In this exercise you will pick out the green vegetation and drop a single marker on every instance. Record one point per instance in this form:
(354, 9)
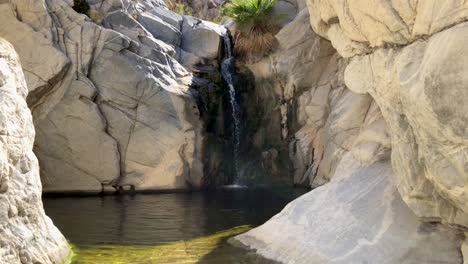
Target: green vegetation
(251, 13)
(179, 252)
(81, 6)
(256, 23)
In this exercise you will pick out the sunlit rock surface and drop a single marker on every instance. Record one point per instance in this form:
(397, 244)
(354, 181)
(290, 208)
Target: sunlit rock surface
(421, 90)
(111, 103)
(406, 65)
(360, 26)
(359, 217)
(27, 235)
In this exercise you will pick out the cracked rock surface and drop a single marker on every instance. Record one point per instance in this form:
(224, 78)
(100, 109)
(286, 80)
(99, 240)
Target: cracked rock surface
(111, 103)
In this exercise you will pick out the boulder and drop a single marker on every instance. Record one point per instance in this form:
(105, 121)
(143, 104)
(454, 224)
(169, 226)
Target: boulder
(27, 235)
(364, 221)
(201, 38)
(160, 29)
(421, 90)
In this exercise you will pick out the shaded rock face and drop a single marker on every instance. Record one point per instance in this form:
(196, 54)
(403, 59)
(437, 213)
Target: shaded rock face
(27, 235)
(111, 103)
(314, 116)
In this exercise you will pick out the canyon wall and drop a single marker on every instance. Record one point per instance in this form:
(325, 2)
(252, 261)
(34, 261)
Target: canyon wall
(392, 160)
(111, 101)
(314, 115)
(27, 235)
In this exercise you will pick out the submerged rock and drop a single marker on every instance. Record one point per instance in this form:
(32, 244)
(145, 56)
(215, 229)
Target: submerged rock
(27, 235)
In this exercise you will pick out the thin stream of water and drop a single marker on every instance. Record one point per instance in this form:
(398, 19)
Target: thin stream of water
(227, 71)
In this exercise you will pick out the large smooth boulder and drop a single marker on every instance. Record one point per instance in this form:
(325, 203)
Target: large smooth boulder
(421, 90)
(27, 235)
(359, 217)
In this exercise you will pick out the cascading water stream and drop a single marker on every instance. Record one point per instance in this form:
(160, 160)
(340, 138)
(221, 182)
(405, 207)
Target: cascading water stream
(227, 70)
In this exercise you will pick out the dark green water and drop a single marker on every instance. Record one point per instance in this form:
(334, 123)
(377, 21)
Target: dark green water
(165, 228)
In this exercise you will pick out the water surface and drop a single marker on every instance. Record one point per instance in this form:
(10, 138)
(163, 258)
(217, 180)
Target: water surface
(165, 228)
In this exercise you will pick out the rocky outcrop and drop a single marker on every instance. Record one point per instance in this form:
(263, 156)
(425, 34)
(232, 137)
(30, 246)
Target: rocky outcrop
(421, 90)
(27, 235)
(419, 85)
(359, 217)
(358, 27)
(111, 103)
(407, 58)
(320, 119)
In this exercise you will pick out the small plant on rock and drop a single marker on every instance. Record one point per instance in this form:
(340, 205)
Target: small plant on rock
(256, 26)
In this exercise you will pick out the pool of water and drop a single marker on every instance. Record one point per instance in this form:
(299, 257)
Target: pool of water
(165, 228)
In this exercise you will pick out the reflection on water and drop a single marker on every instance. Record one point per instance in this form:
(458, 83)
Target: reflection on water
(164, 228)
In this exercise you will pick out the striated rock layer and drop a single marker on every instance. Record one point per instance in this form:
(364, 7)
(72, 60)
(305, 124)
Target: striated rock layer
(110, 100)
(27, 235)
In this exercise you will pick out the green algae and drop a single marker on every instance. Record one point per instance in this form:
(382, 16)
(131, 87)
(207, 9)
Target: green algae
(191, 251)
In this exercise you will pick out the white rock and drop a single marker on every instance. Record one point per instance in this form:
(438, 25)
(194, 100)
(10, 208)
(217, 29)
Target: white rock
(421, 90)
(26, 234)
(361, 25)
(358, 217)
(201, 38)
(112, 105)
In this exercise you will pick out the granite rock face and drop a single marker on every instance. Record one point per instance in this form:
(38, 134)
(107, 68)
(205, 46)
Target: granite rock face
(360, 26)
(359, 217)
(421, 90)
(404, 88)
(319, 117)
(111, 103)
(27, 235)
(415, 71)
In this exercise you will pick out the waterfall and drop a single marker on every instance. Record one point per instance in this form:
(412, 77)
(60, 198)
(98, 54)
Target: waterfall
(227, 71)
